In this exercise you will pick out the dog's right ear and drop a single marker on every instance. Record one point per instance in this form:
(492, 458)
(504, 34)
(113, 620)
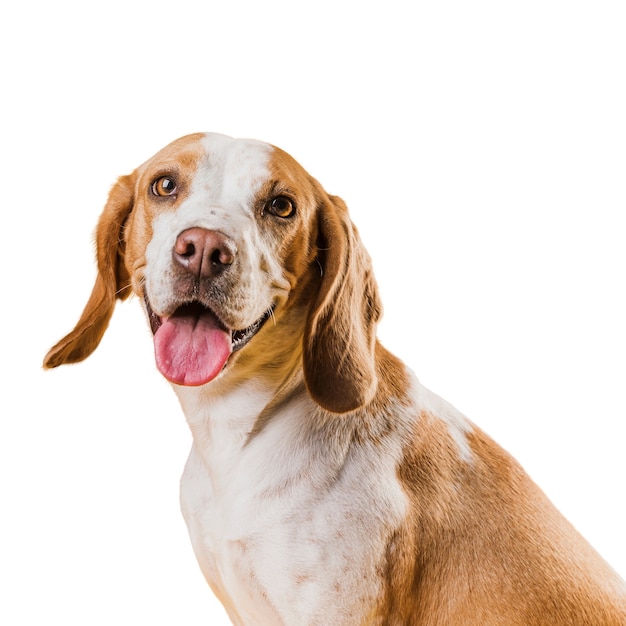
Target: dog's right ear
(112, 280)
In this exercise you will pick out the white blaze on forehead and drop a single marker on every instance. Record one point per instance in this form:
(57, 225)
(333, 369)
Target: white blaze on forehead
(232, 170)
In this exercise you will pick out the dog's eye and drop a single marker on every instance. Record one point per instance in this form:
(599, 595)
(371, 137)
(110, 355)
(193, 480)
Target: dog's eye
(164, 186)
(281, 206)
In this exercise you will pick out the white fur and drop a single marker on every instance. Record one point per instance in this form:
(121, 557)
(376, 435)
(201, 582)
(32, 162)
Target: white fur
(267, 516)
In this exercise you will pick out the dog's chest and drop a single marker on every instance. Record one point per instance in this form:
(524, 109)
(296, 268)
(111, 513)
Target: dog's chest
(286, 531)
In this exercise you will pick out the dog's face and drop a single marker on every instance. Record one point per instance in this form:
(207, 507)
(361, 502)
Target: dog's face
(219, 238)
(234, 249)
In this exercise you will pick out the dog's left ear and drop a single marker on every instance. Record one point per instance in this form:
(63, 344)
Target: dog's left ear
(340, 334)
(112, 280)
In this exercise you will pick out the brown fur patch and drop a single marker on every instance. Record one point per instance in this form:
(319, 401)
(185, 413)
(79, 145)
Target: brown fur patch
(483, 546)
(112, 280)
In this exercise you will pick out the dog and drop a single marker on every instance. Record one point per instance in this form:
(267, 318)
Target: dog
(325, 484)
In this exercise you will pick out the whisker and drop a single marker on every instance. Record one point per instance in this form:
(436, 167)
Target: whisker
(122, 289)
(320, 266)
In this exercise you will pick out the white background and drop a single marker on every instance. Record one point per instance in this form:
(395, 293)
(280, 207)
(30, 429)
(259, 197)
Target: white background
(481, 148)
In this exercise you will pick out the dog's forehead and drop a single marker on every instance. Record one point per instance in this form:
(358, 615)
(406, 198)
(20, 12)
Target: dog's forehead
(234, 169)
(225, 168)
(217, 163)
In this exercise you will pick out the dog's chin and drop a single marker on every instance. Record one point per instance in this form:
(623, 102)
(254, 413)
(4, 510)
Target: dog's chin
(192, 345)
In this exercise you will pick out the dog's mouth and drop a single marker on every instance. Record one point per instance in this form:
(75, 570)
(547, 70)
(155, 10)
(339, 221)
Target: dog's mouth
(192, 346)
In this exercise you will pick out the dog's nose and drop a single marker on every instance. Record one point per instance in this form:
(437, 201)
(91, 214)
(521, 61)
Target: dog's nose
(204, 253)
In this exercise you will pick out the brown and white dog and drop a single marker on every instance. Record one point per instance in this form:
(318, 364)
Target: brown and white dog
(325, 486)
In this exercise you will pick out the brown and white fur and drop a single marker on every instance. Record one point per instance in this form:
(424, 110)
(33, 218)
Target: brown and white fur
(325, 485)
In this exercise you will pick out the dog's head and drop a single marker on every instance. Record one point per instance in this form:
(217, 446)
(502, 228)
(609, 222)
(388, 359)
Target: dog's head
(239, 257)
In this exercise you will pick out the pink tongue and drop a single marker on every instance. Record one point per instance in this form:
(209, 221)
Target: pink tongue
(191, 349)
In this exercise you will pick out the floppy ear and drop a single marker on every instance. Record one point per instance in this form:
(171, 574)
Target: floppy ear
(340, 334)
(112, 280)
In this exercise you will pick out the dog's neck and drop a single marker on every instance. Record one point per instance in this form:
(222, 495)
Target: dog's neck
(225, 405)
(256, 442)
(236, 407)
